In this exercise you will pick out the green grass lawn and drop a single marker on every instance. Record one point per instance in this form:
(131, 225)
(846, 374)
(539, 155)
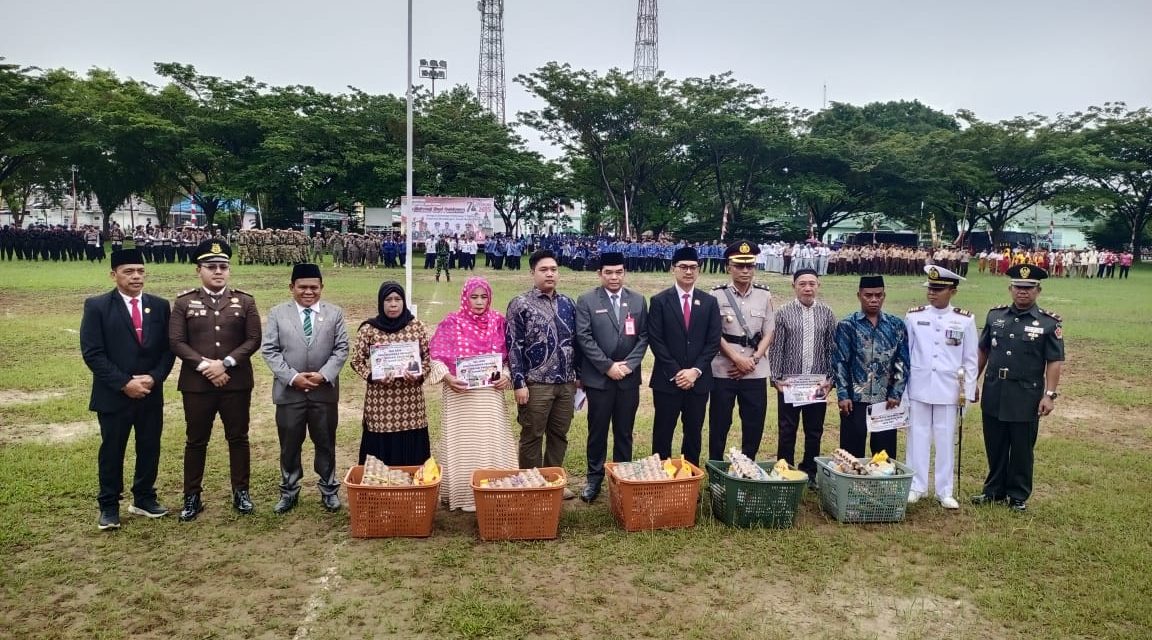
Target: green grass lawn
(1076, 565)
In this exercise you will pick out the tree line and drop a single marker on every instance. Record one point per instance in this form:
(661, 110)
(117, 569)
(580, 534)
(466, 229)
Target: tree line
(665, 156)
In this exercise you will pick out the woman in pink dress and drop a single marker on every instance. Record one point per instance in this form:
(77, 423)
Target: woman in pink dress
(476, 433)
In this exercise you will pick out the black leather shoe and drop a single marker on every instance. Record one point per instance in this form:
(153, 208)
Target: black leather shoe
(331, 502)
(982, 499)
(192, 507)
(148, 509)
(109, 519)
(590, 493)
(286, 504)
(1018, 506)
(242, 502)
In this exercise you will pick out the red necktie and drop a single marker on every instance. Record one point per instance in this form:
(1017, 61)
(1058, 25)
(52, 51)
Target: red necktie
(687, 311)
(137, 321)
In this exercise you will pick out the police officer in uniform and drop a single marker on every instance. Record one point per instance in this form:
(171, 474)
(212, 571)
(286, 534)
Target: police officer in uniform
(740, 369)
(941, 343)
(214, 330)
(1021, 356)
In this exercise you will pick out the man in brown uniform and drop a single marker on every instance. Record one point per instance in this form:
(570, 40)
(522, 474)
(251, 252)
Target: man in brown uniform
(214, 330)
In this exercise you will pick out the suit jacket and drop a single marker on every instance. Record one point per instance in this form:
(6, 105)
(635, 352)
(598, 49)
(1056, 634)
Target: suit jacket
(110, 349)
(674, 348)
(600, 334)
(201, 328)
(287, 353)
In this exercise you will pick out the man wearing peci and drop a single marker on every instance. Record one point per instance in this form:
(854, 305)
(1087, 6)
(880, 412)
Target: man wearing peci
(870, 366)
(214, 331)
(684, 335)
(612, 334)
(124, 341)
(305, 345)
(740, 370)
(1022, 347)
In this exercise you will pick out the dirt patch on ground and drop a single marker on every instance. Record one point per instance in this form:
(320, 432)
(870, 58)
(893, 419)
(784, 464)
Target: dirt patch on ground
(51, 433)
(10, 397)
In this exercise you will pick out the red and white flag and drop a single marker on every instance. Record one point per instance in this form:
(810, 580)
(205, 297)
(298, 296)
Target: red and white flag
(724, 222)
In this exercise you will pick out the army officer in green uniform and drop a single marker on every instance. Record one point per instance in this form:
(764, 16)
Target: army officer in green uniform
(1021, 355)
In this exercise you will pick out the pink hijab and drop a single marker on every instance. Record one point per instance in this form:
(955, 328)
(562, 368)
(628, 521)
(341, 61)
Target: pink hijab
(463, 333)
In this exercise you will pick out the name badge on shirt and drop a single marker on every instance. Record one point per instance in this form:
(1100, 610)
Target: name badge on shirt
(629, 326)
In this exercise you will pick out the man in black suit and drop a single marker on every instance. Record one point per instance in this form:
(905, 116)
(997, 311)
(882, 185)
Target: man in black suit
(684, 335)
(124, 341)
(612, 331)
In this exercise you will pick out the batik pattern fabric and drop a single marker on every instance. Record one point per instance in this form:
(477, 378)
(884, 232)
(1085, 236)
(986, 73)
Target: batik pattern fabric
(541, 332)
(870, 363)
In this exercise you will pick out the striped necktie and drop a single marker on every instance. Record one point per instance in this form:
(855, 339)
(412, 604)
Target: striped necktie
(308, 325)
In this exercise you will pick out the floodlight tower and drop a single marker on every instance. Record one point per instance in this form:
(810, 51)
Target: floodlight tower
(490, 83)
(647, 57)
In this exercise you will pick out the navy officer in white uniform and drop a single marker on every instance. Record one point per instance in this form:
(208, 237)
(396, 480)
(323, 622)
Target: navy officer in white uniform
(942, 340)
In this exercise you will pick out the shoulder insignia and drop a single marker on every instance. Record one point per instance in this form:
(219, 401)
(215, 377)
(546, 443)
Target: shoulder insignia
(243, 293)
(1054, 316)
(963, 312)
(184, 293)
(720, 287)
(999, 308)
(765, 287)
(915, 309)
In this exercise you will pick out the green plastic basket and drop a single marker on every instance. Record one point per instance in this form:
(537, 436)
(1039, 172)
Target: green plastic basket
(739, 502)
(851, 498)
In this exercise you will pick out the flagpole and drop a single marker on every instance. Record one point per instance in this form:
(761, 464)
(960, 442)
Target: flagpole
(408, 174)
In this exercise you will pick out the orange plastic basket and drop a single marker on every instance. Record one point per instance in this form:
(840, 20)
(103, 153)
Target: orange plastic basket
(655, 504)
(390, 512)
(518, 514)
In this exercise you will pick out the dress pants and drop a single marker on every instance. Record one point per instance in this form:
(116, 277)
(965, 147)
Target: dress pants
(932, 425)
(788, 420)
(854, 433)
(689, 408)
(618, 407)
(1009, 448)
(200, 411)
(752, 394)
(318, 420)
(115, 429)
(548, 413)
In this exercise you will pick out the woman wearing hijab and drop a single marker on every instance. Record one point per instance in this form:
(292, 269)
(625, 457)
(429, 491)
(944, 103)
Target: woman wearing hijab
(395, 416)
(476, 432)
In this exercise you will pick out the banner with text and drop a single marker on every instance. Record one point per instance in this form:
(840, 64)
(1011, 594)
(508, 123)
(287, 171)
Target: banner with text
(432, 216)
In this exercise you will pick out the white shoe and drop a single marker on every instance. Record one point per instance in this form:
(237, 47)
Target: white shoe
(949, 503)
(471, 508)
(914, 497)
(568, 495)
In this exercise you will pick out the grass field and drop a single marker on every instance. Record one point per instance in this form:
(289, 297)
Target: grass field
(1076, 566)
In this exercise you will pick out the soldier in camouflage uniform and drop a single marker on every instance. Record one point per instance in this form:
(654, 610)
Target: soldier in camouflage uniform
(443, 249)
(336, 246)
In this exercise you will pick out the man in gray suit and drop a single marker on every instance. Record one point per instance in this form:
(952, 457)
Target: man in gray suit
(305, 345)
(612, 332)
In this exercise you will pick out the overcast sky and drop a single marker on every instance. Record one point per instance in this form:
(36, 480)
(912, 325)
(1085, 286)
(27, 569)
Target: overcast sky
(998, 58)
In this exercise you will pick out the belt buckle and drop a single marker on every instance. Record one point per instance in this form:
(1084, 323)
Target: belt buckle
(1004, 373)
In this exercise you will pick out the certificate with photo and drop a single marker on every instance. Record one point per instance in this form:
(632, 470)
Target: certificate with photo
(393, 359)
(881, 418)
(479, 371)
(804, 389)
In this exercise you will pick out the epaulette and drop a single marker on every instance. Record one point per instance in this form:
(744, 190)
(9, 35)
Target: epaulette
(915, 309)
(244, 293)
(184, 293)
(999, 308)
(761, 286)
(1054, 316)
(720, 287)
(963, 312)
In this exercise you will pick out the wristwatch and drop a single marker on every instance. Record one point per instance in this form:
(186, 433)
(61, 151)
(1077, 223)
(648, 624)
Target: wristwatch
(1052, 394)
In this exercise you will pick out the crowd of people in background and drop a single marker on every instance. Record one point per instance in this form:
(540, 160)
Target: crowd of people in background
(447, 253)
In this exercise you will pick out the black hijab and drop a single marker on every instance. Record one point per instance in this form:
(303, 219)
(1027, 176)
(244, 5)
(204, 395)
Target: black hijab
(383, 322)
